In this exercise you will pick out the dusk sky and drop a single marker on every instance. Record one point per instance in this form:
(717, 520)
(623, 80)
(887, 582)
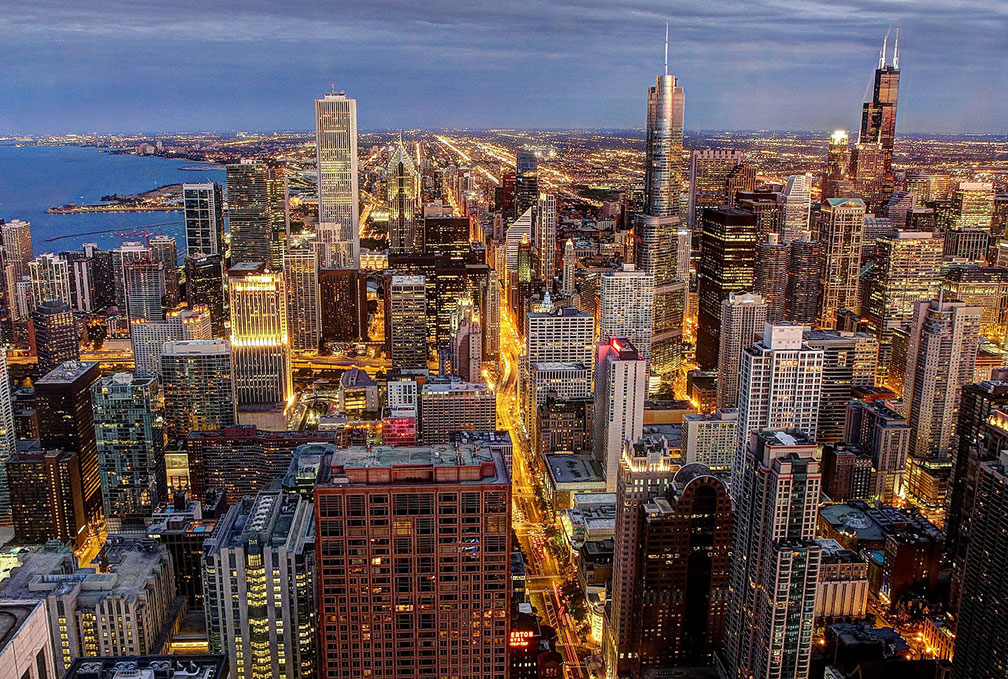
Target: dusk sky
(114, 66)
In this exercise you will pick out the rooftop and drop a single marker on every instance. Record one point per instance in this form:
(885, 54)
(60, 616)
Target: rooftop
(66, 372)
(579, 469)
(270, 518)
(446, 462)
(149, 667)
(13, 615)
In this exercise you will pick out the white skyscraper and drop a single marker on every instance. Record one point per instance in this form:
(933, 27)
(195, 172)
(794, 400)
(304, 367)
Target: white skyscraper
(149, 337)
(775, 561)
(626, 298)
(780, 385)
(797, 206)
(941, 359)
(519, 229)
(545, 237)
(563, 335)
(50, 279)
(8, 442)
(336, 156)
(742, 316)
(259, 339)
(620, 391)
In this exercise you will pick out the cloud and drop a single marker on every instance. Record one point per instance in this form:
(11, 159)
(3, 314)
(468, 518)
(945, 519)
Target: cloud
(800, 64)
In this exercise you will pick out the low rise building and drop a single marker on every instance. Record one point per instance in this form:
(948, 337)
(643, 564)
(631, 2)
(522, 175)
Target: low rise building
(843, 584)
(565, 475)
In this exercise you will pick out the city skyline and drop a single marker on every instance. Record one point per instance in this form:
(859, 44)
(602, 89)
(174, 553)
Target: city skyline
(476, 66)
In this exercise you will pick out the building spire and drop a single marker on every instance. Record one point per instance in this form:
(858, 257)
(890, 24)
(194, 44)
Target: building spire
(881, 58)
(895, 52)
(666, 48)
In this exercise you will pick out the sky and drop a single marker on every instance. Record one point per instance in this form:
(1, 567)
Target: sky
(189, 65)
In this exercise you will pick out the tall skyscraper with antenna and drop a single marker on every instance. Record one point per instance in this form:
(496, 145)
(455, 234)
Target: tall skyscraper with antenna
(663, 246)
(872, 160)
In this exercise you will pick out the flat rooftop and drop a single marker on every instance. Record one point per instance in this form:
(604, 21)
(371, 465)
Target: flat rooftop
(13, 615)
(577, 469)
(66, 372)
(448, 462)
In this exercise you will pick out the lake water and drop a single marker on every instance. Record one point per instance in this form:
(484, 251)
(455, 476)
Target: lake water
(36, 178)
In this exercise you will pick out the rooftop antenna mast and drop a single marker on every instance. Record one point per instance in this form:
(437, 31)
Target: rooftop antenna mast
(895, 52)
(666, 48)
(881, 59)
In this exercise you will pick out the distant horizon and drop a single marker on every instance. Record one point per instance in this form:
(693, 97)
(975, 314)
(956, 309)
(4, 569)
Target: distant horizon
(257, 65)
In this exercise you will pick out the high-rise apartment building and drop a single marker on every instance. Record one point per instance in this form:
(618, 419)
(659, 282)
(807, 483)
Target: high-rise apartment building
(710, 438)
(560, 335)
(336, 158)
(545, 237)
(727, 264)
(45, 496)
(50, 279)
(804, 265)
(840, 228)
(304, 322)
(664, 147)
(982, 286)
(884, 433)
(149, 337)
(907, 269)
(343, 307)
(775, 561)
(129, 435)
(56, 336)
(259, 587)
(66, 422)
(410, 623)
(405, 218)
(259, 336)
(742, 316)
(626, 307)
(981, 649)
(199, 388)
(620, 391)
(771, 277)
(406, 322)
(941, 358)
(164, 249)
(145, 290)
(780, 386)
(204, 219)
(8, 439)
(122, 257)
(973, 206)
(850, 360)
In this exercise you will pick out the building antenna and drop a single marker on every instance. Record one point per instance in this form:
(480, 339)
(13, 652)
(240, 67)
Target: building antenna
(895, 51)
(881, 59)
(666, 48)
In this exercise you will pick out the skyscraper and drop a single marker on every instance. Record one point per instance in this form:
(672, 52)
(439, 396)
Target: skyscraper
(797, 206)
(850, 360)
(304, 323)
(567, 281)
(626, 307)
(780, 386)
(205, 287)
(66, 422)
(204, 219)
(620, 391)
(259, 587)
(122, 257)
(545, 237)
(165, 250)
(45, 496)
(145, 290)
(343, 307)
(56, 336)
(561, 335)
(336, 158)
(981, 647)
(841, 225)
(406, 322)
(727, 264)
(148, 337)
(128, 419)
(663, 147)
(837, 171)
(804, 265)
(259, 336)
(772, 276)
(248, 211)
(199, 388)
(405, 219)
(742, 316)
(50, 279)
(458, 496)
(447, 404)
(941, 357)
(8, 440)
(715, 176)
(907, 269)
(884, 433)
(526, 180)
(973, 206)
(873, 154)
(775, 561)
